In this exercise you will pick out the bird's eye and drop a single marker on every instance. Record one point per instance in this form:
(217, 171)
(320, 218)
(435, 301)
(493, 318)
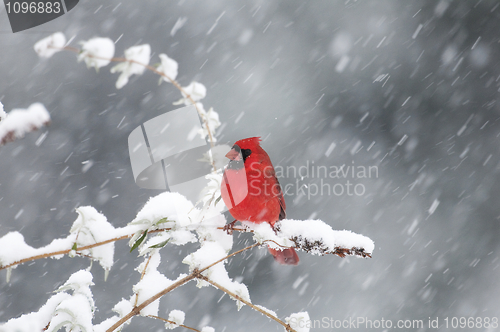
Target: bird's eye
(245, 153)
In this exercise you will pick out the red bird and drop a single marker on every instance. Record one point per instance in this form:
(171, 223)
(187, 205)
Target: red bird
(252, 192)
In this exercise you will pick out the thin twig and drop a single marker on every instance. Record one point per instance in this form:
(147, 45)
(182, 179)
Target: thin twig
(63, 252)
(227, 291)
(171, 322)
(155, 297)
(234, 253)
(142, 276)
(178, 283)
(154, 70)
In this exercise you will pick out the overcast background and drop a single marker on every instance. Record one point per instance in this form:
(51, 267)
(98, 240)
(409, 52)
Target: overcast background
(408, 87)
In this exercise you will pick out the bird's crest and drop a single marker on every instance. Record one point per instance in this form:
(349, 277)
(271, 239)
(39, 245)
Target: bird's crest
(249, 141)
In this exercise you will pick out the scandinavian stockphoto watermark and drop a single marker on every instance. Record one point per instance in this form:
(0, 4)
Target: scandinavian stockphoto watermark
(165, 153)
(312, 180)
(26, 14)
(168, 153)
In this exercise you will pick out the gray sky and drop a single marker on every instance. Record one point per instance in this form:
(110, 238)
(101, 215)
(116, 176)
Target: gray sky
(408, 88)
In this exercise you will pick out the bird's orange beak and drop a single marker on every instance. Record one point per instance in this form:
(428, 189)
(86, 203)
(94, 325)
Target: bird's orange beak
(233, 155)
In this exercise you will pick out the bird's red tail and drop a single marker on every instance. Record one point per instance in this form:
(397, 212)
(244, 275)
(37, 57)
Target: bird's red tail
(285, 256)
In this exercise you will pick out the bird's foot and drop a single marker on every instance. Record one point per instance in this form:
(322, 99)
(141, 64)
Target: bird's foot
(229, 227)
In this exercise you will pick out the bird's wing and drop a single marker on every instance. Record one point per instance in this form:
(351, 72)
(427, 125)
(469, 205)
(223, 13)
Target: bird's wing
(277, 189)
(281, 200)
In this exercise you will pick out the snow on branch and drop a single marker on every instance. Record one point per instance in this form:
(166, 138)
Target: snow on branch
(3, 115)
(18, 122)
(175, 318)
(299, 321)
(171, 218)
(137, 60)
(50, 45)
(90, 228)
(152, 282)
(72, 311)
(99, 52)
(168, 67)
(314, 237)
(195, 90)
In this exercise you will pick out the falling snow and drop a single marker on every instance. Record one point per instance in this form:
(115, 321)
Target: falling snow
(408, 87)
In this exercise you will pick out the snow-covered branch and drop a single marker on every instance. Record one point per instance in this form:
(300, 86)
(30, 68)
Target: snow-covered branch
(290, 233)
(99, 52)
(19, 122)
(48, 46)
(169, 218)
(312, 236)
(74, 311)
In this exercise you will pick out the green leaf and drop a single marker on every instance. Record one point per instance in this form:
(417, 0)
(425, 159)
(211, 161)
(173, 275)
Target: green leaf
(139, 240)
(161, 221)
(160, 245)
(217, 200)
(74, 247)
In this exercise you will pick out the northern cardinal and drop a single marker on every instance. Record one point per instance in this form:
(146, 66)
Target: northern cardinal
(252, 192)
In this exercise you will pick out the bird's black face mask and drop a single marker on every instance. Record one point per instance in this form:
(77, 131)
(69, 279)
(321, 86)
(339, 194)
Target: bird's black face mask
(237, 157)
